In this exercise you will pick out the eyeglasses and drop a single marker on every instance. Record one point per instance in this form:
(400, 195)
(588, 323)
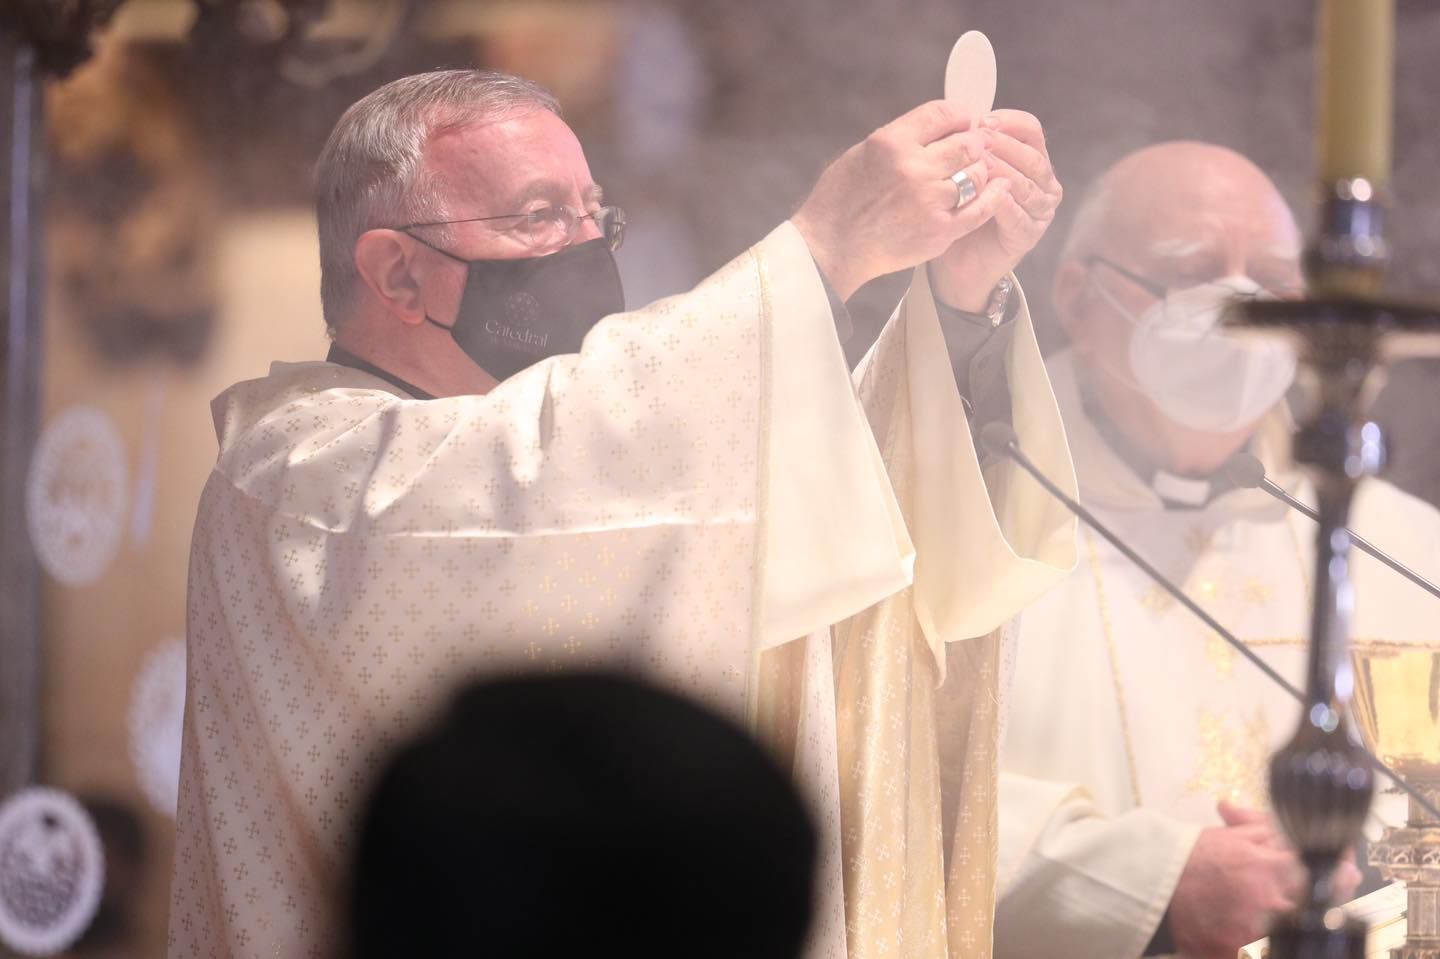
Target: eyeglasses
(1162, 292)
(550, 226)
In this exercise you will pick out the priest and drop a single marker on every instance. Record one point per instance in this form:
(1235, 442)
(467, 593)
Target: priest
(1133, 790)
(486, 476)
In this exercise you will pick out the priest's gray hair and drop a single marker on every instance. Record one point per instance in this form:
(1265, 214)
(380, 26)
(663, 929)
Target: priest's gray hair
(372, 173)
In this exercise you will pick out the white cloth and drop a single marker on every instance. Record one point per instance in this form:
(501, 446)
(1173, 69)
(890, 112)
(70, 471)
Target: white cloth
(1131, 719)
(696, 496)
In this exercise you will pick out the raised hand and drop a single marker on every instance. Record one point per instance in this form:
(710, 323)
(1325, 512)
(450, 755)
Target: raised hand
(888, 202)
(1015, 153)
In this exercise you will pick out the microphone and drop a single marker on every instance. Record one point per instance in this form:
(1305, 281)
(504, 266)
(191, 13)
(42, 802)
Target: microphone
(1247, 472)
(1000, 440)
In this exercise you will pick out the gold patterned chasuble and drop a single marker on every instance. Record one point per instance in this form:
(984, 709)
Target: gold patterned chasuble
(682, 499)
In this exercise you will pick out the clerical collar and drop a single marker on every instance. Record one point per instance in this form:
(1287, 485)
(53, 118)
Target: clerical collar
(1183, 491)
(1175, 491)
(343, 357)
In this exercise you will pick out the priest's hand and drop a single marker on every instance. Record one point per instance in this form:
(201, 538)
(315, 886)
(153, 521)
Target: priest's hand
(888, 202)
(1347, 875)
(1016, 154)
(1237, 878)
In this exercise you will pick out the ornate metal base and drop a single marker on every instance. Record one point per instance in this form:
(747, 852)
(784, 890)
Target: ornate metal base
(1412, 951)
(1411, 853)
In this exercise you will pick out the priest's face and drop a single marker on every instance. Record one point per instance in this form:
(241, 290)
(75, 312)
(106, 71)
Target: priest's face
(523, 163)
(1183, 227)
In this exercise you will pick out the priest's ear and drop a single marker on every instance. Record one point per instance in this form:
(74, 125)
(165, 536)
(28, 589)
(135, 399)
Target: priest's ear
(1073, 296)
(389, 264)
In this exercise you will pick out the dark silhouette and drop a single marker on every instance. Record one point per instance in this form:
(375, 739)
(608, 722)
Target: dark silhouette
(582, 815)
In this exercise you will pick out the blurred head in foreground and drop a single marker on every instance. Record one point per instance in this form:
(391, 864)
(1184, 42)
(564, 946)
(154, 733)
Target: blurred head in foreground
(1162, 241)
(581, 815)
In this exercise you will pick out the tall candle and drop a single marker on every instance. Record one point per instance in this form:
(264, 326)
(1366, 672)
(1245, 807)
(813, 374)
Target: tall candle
(1357, 76)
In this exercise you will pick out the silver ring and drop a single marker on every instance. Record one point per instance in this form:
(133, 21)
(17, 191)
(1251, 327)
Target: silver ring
(965, 189)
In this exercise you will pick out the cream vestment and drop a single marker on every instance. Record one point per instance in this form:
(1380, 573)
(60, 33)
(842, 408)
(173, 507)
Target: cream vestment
(697, 496)
(1130, 719)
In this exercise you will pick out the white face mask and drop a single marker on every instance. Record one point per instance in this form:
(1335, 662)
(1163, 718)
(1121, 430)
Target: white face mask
(1196, 374)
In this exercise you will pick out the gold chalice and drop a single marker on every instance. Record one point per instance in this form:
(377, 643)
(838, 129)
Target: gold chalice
(1397, 708)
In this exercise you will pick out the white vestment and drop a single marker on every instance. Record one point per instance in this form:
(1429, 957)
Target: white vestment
(698, 497)
(1130, 719)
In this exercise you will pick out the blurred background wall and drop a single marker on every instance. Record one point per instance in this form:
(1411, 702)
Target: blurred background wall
(180, 250)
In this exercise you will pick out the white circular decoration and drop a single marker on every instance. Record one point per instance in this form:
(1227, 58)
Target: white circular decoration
(52, 871)
(75, 495)
(157, 715)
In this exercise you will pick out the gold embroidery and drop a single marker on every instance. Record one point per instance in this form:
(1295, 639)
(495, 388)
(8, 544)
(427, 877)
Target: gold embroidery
(1233, 761)
(1109, 632)
(1300, 556)
(1156, 599)
(1219, 654)
(1257, 592)
(1230, 766)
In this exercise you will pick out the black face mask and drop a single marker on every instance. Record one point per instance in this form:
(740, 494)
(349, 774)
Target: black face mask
(515, 313)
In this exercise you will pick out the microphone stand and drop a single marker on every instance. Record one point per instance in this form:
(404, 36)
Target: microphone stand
(1000, 440)
(1280, 493)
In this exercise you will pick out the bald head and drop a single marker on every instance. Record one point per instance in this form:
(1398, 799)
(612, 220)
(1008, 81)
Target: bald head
(1185, 204)
(1174, 215)
(1166, 218)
